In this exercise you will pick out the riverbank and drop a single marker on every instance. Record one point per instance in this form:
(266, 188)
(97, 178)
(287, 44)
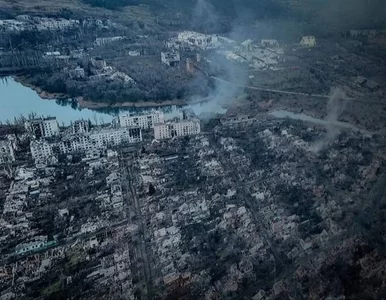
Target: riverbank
(141, 104)
(42, 94)
(84, 103)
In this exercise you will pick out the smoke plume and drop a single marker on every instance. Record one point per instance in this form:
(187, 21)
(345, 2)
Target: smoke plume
(204, 16)
(233, 73)
(335, 107)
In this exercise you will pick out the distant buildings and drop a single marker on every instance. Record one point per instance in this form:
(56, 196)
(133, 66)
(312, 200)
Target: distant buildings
(177, 129)
(143, 121)
(13, 25)
(134, 53)
(369, 84)
(121, 76)
(7, 154)
(366, 33)
(270, 43)
(99, 69)
(26, 22)
(308, 41)
(170, 59)
(199, 40)
(52, 54)
(55, 24)
(248, 44)
(77, 73)
(40, 128)
(107, 40)
(98, 63)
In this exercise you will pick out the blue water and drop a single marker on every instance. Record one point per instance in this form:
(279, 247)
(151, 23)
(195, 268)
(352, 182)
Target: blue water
(17, 100)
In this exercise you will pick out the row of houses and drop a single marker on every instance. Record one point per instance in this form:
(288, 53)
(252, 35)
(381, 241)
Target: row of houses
(36, 23)
(91, 143)
(47, 143)
(184, 126)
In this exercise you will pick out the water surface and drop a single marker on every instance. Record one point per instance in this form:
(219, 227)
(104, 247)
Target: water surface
(17, 100)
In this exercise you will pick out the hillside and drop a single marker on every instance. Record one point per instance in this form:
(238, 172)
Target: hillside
(317, 15)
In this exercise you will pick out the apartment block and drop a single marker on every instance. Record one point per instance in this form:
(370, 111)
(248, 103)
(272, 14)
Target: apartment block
(44, 150)
(144, 121)
(7, 154)
(41, 128)
(177, 129)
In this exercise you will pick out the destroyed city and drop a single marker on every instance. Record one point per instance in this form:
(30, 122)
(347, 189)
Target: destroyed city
(192, 149)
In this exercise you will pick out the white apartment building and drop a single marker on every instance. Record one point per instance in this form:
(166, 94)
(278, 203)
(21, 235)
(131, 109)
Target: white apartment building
(145, 121)
(43, 150)
(176, 129)
(42, 127)
(76, 144)
(7, 153)
(80, 126)
(114, 137)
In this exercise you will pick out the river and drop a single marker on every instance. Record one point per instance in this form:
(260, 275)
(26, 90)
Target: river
(17, 100)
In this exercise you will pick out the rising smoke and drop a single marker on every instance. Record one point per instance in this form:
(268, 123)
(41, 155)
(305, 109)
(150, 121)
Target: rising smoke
(223, 94)
(204, 16)
(335, 107)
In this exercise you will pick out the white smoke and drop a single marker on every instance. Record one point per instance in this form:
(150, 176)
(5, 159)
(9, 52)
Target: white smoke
(204, 15)
(335, 107)
(224, 93)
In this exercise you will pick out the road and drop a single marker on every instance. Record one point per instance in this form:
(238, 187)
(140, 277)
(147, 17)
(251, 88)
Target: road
(366, 100)
(132, 201)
